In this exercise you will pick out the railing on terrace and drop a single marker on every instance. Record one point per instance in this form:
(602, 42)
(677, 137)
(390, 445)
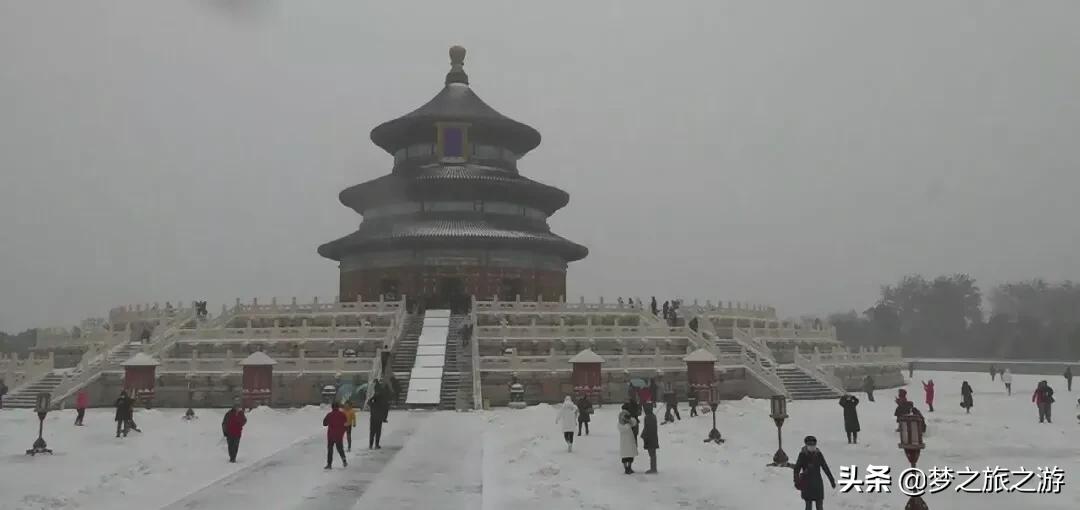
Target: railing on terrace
(497, 307)
(474, 348)
(818, 372)
(302, 364)
(556, 332)
(752, 344)
(673, 362)
(765, 374)
(397, 329)
(887, 354)
(311, 332)
(18, 372)
(317, 307)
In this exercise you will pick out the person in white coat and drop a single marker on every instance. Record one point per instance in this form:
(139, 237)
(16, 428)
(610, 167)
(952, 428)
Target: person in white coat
(567, 417)
(627, 440)
(1006, 377)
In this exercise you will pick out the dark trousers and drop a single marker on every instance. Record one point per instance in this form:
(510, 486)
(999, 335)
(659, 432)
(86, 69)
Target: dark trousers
(693, 409)
(627, 463)
(79, 413)
(121, 428)
(375, 433)
(671, 408)
(852, 437)
(1068, 382)
(330, 445)
(652, 459)
(930, 405)
(1008, 388)
(870, 395)
(569, 437)
(1044, 411)
(348, 437)
(579, 424)
(816, 503)
(234, 446)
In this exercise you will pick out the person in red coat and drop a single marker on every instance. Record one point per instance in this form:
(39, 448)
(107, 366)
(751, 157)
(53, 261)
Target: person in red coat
(81, 402)
(928, 387)
(335, 423)
(233, 426)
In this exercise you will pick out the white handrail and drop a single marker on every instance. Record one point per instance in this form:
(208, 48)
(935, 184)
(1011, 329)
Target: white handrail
(766, 375)
(807, 365)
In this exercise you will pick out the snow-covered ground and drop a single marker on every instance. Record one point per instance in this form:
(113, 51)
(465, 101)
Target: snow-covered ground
(506, 459)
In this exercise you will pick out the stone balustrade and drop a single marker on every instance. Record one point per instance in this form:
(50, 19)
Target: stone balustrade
(331, 306)
(17, 371)
(561, 362)
(287, 333)
(228, 364)
(651, 332)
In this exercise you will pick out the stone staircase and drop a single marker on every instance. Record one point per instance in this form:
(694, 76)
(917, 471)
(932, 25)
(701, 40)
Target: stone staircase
(26, 397)
(450, 389)
(802, 386)
(728, 346)
(404, 355)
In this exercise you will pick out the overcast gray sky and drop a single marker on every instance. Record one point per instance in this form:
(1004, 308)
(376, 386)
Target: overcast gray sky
(793, 153)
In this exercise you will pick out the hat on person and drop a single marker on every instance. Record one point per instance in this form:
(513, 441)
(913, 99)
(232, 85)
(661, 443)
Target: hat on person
(810, 440)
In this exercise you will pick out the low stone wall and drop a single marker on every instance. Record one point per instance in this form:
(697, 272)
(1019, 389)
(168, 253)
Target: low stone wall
(1049, 368)
(547, 387)
(218, 389)
(885, 376)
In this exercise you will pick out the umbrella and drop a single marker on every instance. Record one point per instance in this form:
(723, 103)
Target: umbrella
(638, 383)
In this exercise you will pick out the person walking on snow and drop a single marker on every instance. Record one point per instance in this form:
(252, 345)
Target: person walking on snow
(81, 401)
(4, 390)
(808, 470)
(928, 388)
(335, 422)
(232, 426)
(691, 398)
(567, 417)
(123, 416)
(1068, 378)
(1043, 398)
(649, 437)
(911, 369)
(378, 410)
(350, 422)
(851, 417)
(993, 372)
(868, 387)
(627, 440)
(1006, 377)
(584, 411)
(671, 403)
(634, 409)
(966, 400)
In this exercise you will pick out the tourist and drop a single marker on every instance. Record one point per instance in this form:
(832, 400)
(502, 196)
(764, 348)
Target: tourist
(567, 417)
(905, 407)
(649, 437)
(335, 422)
(620, 301)
(652, 306)
(81, 401)
(232, 426)
(123, 416)
(868, 387)
(3, 391)
(808, 470)
(1043, 398)
(667, 310)
(851, 417)
(585, 409)
(350, 422)
(966, 399)
(692, 399)
(671, 403)
(911, 369)
(627, 440)
(993, 371)
(645, 394)
(1006, 377)
(378, 406)
(1068, 377)
(654, 391)
(928, 389)
(634, 408)
(189, 414)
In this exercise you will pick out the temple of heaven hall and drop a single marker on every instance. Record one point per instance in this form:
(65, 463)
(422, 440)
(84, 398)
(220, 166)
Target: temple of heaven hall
(454, 218)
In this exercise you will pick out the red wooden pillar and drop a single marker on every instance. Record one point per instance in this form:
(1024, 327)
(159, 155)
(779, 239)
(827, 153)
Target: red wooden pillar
(140, 373)
(700, 372)
(586, 376)
(258, 379)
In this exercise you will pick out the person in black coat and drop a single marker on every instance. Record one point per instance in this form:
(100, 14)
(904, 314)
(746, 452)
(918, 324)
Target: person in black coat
(851, 417)
(124, 413)
(808, 470)
(649, 438)
(584, 412)
(966, 400)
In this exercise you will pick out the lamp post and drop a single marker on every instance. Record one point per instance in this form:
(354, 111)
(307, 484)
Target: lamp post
(778, 412)
(714, 403)
(42, 408)
(911, 441)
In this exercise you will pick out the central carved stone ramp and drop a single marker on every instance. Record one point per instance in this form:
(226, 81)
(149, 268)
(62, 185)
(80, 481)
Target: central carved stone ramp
(425, 379)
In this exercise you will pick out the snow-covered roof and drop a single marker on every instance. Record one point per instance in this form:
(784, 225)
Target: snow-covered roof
(258, 359)
(141, 359)
(700, 355)
(587, 356)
